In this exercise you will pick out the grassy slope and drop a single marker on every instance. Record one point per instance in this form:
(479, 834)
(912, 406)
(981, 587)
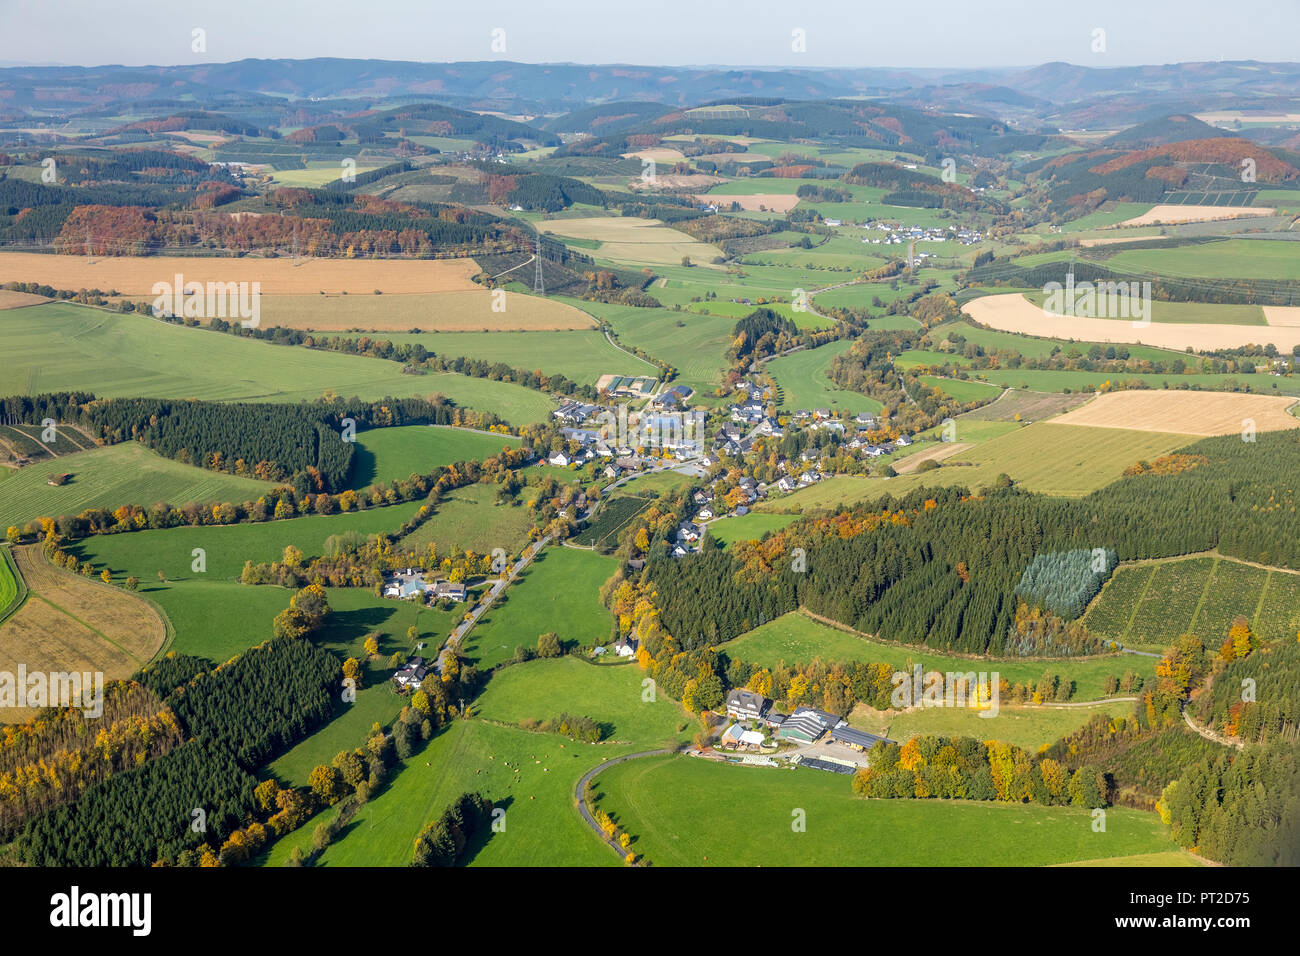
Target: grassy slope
(66, 346)
(128, 473)
(383, 454)
(804, 382)
(672, 808)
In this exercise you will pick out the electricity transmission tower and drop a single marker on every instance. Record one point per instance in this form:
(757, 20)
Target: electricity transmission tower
(539, 284)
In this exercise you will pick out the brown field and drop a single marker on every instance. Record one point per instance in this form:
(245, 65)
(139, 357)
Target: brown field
(438, 311)
(659, 154)
(1164, 213)
(937, 453)
(1190, 413)
(1287, 316)
(1030, 406)
(71, 623)
(17, 300)
(1115, 240)
(135, 276)
(633, 240)
(776, 202)
(1012, 312)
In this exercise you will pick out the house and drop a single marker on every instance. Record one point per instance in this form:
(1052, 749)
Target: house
(744, 704)
(679, 551)
(701, 497)
(451, 590)
(865, 419)
(810, 454)
(787, 484)
(903, 440)
(574, 412)
(801, 413)
(806, 724)
(688, 532)
(560, 458)
(809, 478)
(873, 451)
(769, 426)
(741, 511)
(626, 646)
(612, 471)
(705, 513)
(411, 674)
(821, 413)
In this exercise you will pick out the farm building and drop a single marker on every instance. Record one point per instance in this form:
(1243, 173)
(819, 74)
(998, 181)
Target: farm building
(857, 739)
(806, 724)
(745, 704)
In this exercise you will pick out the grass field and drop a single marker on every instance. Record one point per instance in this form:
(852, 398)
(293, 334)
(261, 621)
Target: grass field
(1227, 259)
(227, 547)
(581, 356)
(695, 345)
(128, 473)
(8, 582)
(798, 638)
(1070, 460)
(750, 527)
(659, 799)
(962, 390)
(1029, 727)
(74, 624)
(804, 383)
(531, 775)
(383, 454)
(557, 592)
(62, 346)
(1150, 604)
(470, 518)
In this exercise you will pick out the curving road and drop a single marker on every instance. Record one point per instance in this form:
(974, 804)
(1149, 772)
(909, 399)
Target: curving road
(581, 788)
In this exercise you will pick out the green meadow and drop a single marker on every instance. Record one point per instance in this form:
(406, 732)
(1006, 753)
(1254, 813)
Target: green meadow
(385, 454)
(227, 547)
(804, 383)
(797, 638)
(65, 347)
(557, 592)
(1225, 259)
(128, 473)
(750, 527)
(674, 807)
(470, 518)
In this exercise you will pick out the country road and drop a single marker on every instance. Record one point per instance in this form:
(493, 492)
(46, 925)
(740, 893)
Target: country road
(581, 788)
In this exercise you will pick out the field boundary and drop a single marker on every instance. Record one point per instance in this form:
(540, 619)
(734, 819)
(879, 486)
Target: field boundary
(20, 598)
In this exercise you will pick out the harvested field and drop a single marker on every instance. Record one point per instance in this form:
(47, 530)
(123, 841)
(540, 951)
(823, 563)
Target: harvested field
(1118, 240)
(1189, 413)
(136, 275)
(430, 312)
(1165, 213)
(1285, 316)
(1030, 406)
(658, 153)
(16, 300)
(773, 202)
(1012, 312)
(71, 623)
(937, 453)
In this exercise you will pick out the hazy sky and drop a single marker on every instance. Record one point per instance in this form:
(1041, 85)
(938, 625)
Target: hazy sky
(917, 33)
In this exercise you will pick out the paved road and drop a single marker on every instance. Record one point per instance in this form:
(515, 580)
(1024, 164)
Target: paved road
(464, 627)
(582, 788)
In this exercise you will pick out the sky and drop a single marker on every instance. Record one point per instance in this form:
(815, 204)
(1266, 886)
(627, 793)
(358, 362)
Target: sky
(843, 33)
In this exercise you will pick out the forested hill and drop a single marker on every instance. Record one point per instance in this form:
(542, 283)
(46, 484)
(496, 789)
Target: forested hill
(941, 567)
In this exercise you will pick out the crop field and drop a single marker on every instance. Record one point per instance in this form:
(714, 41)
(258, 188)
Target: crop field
(134, 276)
(658, 801)
(470, 518)
(468, 311)
(1029, 726)
(804, 383)
(1167, 214)
(1191, 413)
(227, 547)
(581, 356)
(1228, 259)
(1150, 604)
(617, 513)
(797, 638)
(18, 300)
(384, 454)
(1194, 313)
(1012, 312)
(127, 473)
(1070, 381)
(558, 592)
(70, 623)
(1030, 346)
(60, 347)
(628, 239)
(750, 527)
